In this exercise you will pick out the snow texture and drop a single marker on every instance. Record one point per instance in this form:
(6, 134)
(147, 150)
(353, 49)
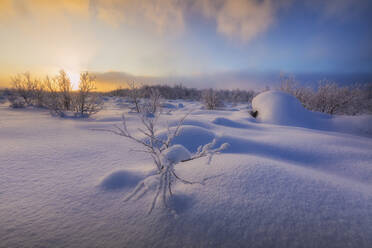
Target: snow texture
(291, 178)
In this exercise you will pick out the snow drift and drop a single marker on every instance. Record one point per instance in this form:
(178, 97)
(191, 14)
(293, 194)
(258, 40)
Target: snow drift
(64, 185)
(280, 108)
(191, 137)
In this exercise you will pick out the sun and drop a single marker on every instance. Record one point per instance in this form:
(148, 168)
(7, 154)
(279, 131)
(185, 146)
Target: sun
(75, 78)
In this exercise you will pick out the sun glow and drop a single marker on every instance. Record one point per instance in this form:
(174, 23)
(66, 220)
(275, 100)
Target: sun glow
(75, 78)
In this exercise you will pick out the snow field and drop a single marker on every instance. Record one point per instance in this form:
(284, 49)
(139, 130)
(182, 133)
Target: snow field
(304, 183)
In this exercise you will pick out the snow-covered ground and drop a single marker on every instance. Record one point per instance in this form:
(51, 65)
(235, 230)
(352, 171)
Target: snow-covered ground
(304, 183)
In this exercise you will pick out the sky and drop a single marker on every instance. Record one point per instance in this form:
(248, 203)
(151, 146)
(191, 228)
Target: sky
(199, 43)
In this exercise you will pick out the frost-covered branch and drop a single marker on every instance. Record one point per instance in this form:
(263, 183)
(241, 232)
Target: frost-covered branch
(207, 150)
(165, 156)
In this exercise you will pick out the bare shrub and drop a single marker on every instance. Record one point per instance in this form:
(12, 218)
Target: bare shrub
(86, 102)
(65, 89)
(56, 94)
(28, 91)
(333, 99)
(53, 96)
(38, 93)
(152, 104)
(23, 86)
(181, 92)
(31, 91)
(329, 97)
(211, 99)
(291, 86)
(157, 148)
(134, 95)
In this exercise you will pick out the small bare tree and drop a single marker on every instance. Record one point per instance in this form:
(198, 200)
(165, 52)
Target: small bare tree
(157, 148)
(24, 86)
(86, 102)
(135, 95)
(291, 86)
(53, 96)
(152, 104)
(29, 91)
(39, 93)
(65, 89)
(211, 99)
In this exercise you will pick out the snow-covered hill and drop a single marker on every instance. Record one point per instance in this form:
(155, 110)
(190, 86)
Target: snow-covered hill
(290, 178)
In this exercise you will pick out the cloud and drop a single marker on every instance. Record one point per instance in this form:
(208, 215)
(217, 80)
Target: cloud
(239, 19)
(242, 19)
(159, 15)
(43, 8)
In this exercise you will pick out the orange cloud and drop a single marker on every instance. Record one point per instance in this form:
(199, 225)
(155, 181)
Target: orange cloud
(163, 15)
(16, 8)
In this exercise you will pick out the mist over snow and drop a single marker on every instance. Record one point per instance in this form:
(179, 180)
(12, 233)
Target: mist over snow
(230, 79)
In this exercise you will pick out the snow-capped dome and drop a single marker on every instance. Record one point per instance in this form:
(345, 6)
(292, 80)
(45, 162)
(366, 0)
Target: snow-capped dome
(281, 108)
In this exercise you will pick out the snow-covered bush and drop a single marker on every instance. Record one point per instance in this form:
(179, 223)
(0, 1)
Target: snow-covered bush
(330, 97)
(31, 90)
(333, 99)
(165, 156)
(152, 104)
(291, 86)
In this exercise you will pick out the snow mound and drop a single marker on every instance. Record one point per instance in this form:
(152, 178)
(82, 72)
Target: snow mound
(175, 154)
(168, 105)
(120, 179)
(191, 137)
(277, 107)
(203, 124)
